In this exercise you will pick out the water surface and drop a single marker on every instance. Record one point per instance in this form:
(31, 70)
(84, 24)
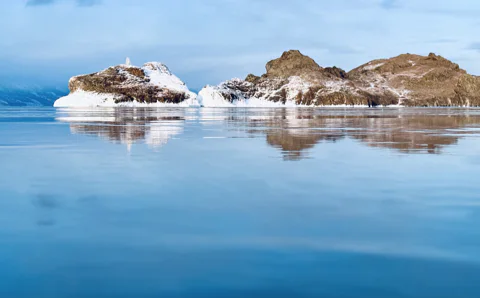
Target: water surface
(239, 202)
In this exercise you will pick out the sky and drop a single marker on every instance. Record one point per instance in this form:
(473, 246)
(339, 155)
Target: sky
(209, 41)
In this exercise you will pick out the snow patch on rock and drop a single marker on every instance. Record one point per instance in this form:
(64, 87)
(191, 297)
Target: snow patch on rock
(296, 85)
(373, 66)
(160, 75)
(212, 97)
(80, 99)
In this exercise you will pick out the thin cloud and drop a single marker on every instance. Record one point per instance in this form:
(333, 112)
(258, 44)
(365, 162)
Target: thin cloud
(39, 2)
(389, 4)
(88, 2)
(474, 46)
(83, 3)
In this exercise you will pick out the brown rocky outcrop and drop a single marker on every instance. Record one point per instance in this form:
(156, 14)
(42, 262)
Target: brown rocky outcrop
(408, 80)
(151, 83)
(291, 63)
(419, 80)
(128, 84)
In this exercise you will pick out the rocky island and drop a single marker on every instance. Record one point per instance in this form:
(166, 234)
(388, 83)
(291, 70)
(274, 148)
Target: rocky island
(291, 80)
(127, 85)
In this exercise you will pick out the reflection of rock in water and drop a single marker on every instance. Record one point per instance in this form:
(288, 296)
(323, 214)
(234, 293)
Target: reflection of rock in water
(121, 132)
(295, 132)
(129, 126)
(415, 133)
(294, 144)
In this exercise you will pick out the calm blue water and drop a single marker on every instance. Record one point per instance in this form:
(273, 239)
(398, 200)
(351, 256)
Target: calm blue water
(239, 203)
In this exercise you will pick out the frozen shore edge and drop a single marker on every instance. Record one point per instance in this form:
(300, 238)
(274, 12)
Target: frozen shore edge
(85, 99)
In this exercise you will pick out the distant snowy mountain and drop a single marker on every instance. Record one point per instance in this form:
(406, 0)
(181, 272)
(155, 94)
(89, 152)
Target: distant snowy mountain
(29, 95)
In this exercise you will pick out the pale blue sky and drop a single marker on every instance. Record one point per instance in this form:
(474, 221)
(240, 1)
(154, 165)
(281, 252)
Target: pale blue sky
(212, 40)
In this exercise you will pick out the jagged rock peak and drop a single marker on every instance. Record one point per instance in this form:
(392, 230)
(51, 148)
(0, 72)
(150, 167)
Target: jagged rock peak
(336, 72)
(291, 63)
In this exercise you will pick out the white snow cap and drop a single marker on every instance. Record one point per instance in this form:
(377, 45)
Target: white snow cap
(160, 75)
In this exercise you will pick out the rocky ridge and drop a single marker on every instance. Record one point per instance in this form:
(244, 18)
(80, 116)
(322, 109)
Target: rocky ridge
(405, 80)
(290, 80)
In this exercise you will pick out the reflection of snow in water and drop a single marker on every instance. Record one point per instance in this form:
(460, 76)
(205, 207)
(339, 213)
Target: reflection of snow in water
(160, 132)
(155, 127)
(292, 130)
(86, 119)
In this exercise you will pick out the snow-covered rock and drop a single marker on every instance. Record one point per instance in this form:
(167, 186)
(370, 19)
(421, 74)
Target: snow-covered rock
(291, 80)
(405, 80)
(239, 93)
(126, 85)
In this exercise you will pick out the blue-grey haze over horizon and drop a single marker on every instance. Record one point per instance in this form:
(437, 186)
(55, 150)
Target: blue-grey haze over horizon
(44, 42)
